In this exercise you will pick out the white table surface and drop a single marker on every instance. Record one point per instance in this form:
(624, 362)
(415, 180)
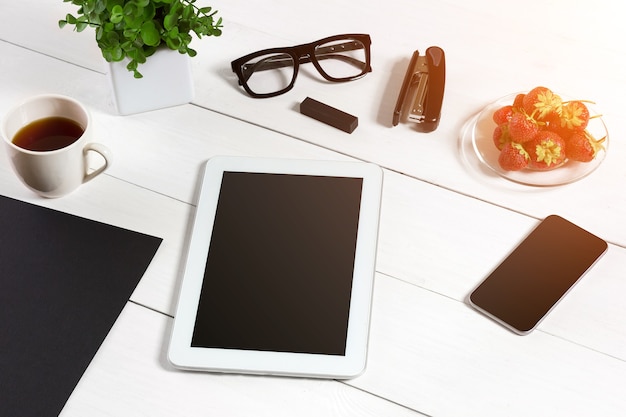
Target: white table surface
(445, 221)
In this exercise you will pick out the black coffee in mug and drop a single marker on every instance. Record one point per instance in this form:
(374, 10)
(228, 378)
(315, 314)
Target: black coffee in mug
(48, 134)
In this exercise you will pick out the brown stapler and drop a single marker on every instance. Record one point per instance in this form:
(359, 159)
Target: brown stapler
(421, 95)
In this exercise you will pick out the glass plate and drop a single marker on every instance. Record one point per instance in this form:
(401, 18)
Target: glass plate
(480, 132)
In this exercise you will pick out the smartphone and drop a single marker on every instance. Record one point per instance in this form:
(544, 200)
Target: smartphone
(533, 278)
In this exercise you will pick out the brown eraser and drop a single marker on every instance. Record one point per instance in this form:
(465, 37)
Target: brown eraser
(329, 115)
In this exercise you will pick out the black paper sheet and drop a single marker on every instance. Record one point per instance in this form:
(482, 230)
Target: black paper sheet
(63, 282)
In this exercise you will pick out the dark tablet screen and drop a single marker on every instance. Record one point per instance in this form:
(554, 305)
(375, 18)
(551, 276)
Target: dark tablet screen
(279, 271)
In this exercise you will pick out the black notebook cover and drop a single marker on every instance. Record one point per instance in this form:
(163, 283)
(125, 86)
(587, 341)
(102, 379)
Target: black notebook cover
(63, 282)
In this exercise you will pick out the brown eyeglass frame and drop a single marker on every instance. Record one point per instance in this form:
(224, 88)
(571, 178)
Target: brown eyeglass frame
(302, 54)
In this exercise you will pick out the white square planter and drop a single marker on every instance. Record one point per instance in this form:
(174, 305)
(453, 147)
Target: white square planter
(167, 81)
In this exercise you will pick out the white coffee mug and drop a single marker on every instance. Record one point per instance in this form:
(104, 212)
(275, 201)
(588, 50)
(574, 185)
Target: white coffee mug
(60, 171)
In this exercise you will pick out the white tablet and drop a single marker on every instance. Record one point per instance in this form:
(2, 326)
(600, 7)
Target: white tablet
(280, 268)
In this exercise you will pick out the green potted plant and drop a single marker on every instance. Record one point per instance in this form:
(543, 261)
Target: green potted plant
(134, 30)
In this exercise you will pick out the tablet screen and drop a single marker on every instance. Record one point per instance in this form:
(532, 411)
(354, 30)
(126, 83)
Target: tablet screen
(278, 275)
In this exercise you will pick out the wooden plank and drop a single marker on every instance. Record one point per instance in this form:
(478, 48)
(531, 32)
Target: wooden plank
(436, 157)
(415, 361)
(130, 376)
(440, 357)
(439, 235)
(163, 151)
(34, 25)
(447, 244)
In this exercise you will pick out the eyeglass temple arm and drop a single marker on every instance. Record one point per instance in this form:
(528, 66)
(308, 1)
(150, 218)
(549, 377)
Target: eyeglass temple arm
(328, 52)
(346, 46)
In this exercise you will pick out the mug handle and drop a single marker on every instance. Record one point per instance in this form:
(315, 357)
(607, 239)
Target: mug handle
(106, 155)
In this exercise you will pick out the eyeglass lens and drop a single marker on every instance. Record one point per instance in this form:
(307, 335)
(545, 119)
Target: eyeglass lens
(269, 73)
(340, 60)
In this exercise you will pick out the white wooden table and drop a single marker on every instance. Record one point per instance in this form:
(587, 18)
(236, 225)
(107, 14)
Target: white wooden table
(445, 221)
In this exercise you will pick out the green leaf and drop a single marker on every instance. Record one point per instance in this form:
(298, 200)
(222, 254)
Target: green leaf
(130, 9)
(149, 12)
(117, 14)
(114, 54)
(130, 34)
(188, 12)
(100, 7)
(176, 7)
(173, 33)
(81, 24)
(133, 16)
(149, 34)
(173, 43)
(88, 7)
(128, 47)
(70, 19)
(133, 29)
(112, 38)
(170, 21)
(136, 55)
(117, 53)
(132, 66)
(110, 4)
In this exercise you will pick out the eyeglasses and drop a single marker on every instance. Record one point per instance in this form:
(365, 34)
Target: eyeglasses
(272, 72)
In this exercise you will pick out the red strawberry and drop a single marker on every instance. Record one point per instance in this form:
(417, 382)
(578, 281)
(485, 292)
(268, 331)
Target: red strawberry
(522, 128)
(583, 147)
(501, 135)
(575, 115)
(541, 102)
(513, 157)
(518, 103)
(546, 151)
(502, 115)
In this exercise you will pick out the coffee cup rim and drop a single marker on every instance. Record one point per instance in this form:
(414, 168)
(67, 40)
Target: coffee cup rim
(37, 97)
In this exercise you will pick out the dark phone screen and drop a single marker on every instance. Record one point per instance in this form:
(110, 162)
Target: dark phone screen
(279, 271)
(534, 277)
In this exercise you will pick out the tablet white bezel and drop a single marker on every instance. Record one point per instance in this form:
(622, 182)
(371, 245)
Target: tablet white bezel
(182, 355)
